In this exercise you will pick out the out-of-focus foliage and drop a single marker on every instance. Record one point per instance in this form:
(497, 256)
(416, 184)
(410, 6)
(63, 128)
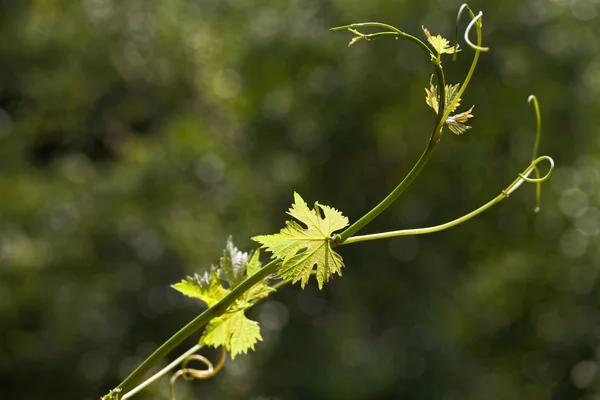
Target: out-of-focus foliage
(136, 135)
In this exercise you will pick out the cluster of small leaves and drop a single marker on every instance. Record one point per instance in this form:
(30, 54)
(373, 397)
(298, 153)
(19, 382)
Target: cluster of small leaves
(303, 247)
(232, 329)
(457, 122)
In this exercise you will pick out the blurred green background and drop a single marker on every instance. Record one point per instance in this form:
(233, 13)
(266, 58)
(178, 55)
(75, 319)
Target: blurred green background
(136, 135)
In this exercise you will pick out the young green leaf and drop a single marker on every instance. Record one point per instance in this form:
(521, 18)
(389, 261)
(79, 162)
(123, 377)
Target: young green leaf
(440, 45)
(301, 248)
(207, 288)
(432, 97)
(456, 123)
(232, 330)
(238, 333)
(233, 264)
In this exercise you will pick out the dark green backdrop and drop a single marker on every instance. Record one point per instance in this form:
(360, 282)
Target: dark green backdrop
(135, 135)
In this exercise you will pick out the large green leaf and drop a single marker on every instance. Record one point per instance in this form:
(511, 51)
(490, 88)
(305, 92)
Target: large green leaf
(303, 247)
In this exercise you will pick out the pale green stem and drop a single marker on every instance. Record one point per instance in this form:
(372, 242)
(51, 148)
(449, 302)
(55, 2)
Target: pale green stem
(393, 196)
(160, 373)
(523, 177)
(422, 231)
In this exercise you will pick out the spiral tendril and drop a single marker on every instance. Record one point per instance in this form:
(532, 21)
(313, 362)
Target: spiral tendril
(190, 374)
(524, 176)
(468, 30)
(460, 11)
(532, 100)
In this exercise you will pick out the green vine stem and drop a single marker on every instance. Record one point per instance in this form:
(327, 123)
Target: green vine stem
(385, 203)
(442, 115)
(222, 306)
(213, 312)
(523, 177)
(182, 357)
(161, 373)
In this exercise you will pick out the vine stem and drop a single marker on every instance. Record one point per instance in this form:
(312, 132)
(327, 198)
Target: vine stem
(523, 177)
(160, 373)
(431, 229)
(391, 198)
(215, 311)
(184, 356)
(221, 307)
(442, 116)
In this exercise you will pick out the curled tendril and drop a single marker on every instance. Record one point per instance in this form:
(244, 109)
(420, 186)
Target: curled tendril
(460, 11)
(538, 131)
(532, 99)
(474, 20)
(538, 189)
(524, 176)
(468, 30)
(535, 160)
(190, 374)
